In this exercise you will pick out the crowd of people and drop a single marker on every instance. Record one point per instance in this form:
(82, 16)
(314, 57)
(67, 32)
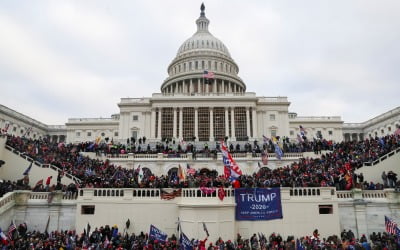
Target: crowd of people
(9, 186)
(173, 148)
(110, 237)
(334, 168)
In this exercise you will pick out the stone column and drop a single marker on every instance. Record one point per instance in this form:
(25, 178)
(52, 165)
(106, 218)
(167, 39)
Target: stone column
(233, 137)
(254, 117)
(191, 86)
(196, 123)
(211, 124)
(248, 122)
(199, 90)
(159, 124)
(174, 124)
(214, 86)
(226, 122)
(180, 123)
(153, 123)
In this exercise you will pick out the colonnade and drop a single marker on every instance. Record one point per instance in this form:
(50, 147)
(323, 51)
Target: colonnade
(200, 86)
(230, 124)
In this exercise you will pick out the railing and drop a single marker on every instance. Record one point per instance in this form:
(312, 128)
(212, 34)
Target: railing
(39, 196)
(305, 191)
(344, 194)
(108, 192)
(362, 194)
(7, 199)
(41, 165)
(373, 194)
(197, 193)
(148, 192)
(319, 118)
(200, 156)
(382, 158)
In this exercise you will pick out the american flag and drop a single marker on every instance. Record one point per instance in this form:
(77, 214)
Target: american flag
(190, 171)
(11, 230)
(229, 162)
(390, 225)
(208, 74)
(165, 195)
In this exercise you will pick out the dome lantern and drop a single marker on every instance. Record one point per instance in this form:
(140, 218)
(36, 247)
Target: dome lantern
(199, 54)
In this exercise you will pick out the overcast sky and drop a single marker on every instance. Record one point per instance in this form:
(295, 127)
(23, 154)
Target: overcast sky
(72, 59)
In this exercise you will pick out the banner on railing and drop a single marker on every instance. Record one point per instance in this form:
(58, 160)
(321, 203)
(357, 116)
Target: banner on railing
(258, 203)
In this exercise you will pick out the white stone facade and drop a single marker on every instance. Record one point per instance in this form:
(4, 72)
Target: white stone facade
(383, 124)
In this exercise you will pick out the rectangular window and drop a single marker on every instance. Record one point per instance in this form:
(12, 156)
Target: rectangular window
(319, 134)
(167, 121)
(240, 124)
(188, 124)
(272, 117)
(291, 132)
(136, 118)
(330, 132)
(273, 132)
(89, 134)
(78, 134)
(204, 124)
(219, 123)
(88, 209)
(115, 133)
(325, 209)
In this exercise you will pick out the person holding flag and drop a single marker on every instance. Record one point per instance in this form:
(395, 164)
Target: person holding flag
(278, 150)
(231, 169)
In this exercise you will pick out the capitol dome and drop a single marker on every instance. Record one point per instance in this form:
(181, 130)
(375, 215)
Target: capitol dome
(203, 65)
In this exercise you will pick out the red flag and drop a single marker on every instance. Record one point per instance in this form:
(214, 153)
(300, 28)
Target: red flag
(221, 193)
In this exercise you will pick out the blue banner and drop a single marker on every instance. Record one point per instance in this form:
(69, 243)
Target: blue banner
(185, 242)
(157, 234)
(258, 203)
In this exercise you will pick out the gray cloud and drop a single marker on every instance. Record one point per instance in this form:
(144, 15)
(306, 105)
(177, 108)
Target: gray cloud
(62, 59)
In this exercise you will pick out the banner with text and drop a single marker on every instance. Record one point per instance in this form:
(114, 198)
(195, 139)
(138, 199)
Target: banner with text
(258, 203)
(157, 234)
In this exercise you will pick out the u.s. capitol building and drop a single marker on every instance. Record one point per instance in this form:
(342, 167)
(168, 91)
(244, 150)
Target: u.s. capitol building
(194, 108)
(191, 107)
